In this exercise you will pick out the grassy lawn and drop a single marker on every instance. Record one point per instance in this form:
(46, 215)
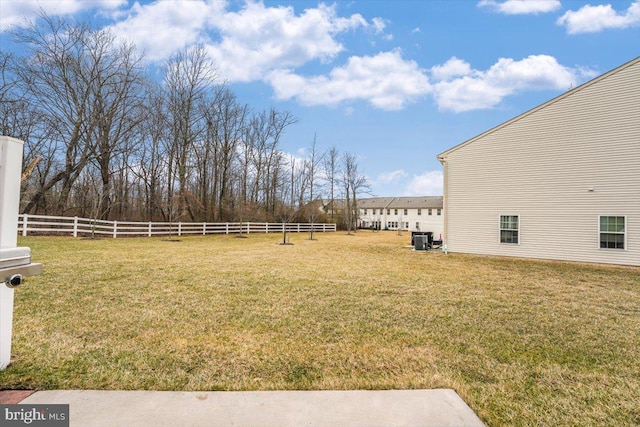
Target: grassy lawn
(522, 342)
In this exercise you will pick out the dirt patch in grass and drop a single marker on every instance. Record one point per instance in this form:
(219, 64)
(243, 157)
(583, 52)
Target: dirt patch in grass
(523, 342)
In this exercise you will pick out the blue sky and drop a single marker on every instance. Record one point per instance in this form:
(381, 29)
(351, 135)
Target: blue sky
(394, 82)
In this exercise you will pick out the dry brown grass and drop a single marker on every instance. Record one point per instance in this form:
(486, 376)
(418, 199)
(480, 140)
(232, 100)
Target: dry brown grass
(523, 342)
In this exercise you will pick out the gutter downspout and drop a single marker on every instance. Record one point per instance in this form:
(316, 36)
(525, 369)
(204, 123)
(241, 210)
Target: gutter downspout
(445, 202)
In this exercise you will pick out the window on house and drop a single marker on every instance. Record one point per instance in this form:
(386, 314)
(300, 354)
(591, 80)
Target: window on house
(509, 229)
(388, 211)
(405, 211)
(373, 211)
(612, 232)
(417, 226)
(430, 211)
(395, 211)
(439, 211)
(365, 211)
(419, 211)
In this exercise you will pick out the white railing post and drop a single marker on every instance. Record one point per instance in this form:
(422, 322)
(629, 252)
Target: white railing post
(75, 226)
(204, 228)
(115, 229)
(226, 228)
(298, 227)
(266, 228)
(149, 232)
(179, 229)
(24, 224)
(248, 227)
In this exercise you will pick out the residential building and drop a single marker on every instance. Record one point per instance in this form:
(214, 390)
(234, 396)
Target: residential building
(402, 213)
(561, 181)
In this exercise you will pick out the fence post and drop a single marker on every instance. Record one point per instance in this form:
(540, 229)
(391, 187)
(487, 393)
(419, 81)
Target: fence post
(115, 229)
(226, 228)
(266, 228)
(248, 227)
(149, 232)
(24, 224)
(179, 229)
(75, 226)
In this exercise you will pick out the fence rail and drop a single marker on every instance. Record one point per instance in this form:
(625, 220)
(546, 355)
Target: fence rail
(41, 224)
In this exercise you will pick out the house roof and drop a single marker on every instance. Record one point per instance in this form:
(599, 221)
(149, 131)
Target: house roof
(422, 202)
(442, 156)
(434, 202)
(374, 202)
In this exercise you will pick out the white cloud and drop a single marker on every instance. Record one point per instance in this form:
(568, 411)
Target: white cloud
(591, 19)
(426, 184)
(454, 67)
(20, 13)
(521, 7)
(379, 24)
(259, 39)
(391, 177)
(475, 89)
(386, 81)
(246, 44)
(161, 28)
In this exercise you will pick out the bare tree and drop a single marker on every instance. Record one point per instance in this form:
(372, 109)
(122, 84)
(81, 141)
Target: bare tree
(353, 182)
(118, 105)
(331, 163)
(312, 166)
(189, 77)
(57, 77)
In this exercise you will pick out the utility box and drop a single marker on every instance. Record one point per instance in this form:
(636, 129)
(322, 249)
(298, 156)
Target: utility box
(420, 243)
(423, 239)
(15, 262)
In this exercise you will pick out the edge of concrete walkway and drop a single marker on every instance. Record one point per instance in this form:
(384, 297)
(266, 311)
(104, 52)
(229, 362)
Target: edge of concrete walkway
(96, 408)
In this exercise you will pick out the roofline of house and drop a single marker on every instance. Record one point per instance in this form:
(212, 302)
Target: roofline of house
(443, 156)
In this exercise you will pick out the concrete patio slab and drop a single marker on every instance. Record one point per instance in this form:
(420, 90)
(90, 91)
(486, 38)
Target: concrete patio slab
(94, 408)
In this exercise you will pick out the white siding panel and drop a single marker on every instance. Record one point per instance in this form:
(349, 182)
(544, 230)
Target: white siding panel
(541, 167)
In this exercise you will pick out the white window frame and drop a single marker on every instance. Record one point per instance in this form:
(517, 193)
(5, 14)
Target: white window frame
(624, 233)
(500, 229)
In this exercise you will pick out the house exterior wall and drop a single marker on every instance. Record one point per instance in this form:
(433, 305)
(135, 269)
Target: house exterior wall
(558, 168)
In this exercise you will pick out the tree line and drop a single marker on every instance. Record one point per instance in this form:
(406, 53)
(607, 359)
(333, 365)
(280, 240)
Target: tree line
(107, 136)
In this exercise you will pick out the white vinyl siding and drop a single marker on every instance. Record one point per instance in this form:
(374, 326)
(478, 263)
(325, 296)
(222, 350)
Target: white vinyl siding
(560, 166)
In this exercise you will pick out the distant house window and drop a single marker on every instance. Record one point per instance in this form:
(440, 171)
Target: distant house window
(439, 211)
(405, 212)
(388, 211)
(365, 211)
(395, 211)
(430, 211)
(612, 232)
(509, 229)
(373, 211)
(419, 211)
(417, 226)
